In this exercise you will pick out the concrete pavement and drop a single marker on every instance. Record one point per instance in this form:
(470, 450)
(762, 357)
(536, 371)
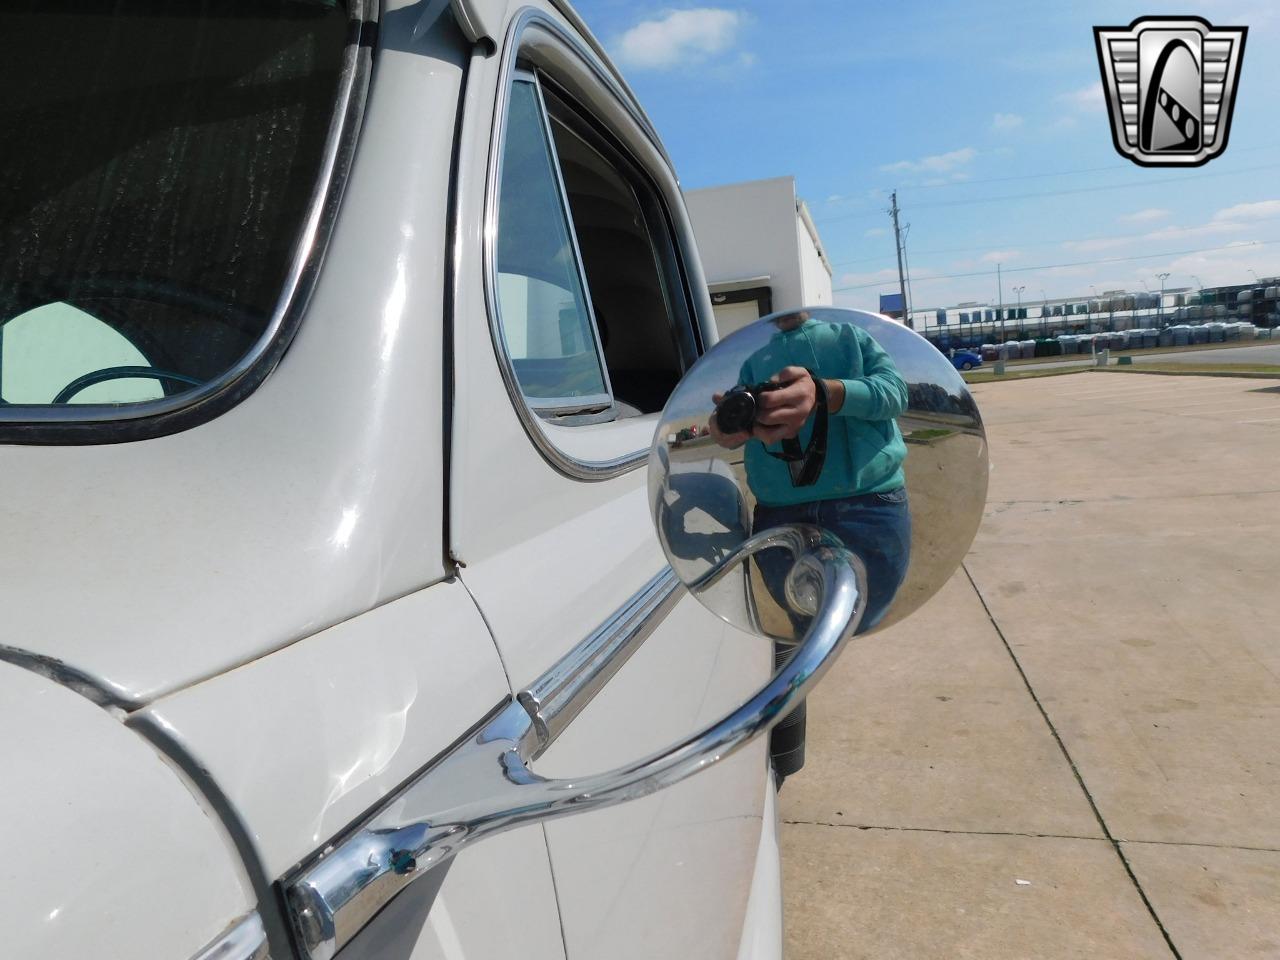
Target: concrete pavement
(1074, 749)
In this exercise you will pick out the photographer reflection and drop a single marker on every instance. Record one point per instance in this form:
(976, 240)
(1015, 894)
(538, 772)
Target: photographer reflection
(816, 408)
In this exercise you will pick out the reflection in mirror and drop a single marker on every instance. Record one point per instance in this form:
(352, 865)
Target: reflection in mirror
(835, 421)
(838, 419)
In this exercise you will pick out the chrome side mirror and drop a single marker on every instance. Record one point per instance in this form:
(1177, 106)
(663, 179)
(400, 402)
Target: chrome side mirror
(902, 485)
(820, 581)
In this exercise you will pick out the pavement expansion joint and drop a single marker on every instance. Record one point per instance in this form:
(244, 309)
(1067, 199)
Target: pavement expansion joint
(946, 832)
(1129, 499)
(1075, 770)
(1195, 843)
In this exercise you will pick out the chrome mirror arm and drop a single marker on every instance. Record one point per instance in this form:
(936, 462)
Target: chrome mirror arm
(484, 785)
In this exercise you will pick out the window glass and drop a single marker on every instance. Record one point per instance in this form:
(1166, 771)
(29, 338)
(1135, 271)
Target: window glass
(542, 302)
(161, 159)
(627, 254)
(55, 349)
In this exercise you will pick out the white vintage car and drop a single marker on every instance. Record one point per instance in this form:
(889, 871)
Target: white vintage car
(335, 342)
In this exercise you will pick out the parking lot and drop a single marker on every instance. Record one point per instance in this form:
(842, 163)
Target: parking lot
(1074, 749)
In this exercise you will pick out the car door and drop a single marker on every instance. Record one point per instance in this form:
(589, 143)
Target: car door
(578, 305)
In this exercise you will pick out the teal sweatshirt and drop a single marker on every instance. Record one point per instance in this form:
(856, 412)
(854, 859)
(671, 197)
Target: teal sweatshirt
(864, 446)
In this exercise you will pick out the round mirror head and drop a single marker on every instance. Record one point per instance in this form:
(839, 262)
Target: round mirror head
(827, 423)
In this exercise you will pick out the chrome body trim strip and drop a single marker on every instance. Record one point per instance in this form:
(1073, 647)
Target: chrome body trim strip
(559, 695)
(567, 11)
(471, 21)
(484, 786)
(246, 940)
(589, 470)
(353, 85)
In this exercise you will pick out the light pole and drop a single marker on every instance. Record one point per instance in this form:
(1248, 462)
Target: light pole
(1044, 306)
(1018, 308)
(1160, 320)
(1096, 298)
(1255, 275)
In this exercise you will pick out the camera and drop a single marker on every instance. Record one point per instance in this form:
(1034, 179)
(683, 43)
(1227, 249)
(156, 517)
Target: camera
(736, 411)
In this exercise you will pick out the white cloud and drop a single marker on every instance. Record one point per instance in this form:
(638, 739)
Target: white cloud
(1231, 265)
(1006, 121)
(876, 232)
(1000, 256)
(1145, 216)
(937, 163)
(679, 37)
(1261, 210)
(1234, 219)
(1088, 99)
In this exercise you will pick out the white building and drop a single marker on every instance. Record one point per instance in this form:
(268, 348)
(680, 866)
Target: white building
(760, 250)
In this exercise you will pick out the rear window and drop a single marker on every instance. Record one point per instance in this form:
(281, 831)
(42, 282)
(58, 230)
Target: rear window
(161, 160)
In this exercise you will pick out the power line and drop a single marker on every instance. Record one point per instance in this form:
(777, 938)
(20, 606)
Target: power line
(1062, 193)
(1020, 176)
(1058, 173)
(1075, 263)
(1043, 243)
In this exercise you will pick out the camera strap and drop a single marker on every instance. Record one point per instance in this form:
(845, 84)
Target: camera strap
(805, 465)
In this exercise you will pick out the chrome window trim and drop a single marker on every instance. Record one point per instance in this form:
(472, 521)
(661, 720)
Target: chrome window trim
(246, 939)
(86, 423)
(558, 405)
(527, 19)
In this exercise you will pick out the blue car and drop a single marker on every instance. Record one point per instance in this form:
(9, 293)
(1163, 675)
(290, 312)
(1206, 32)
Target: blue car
(966, 359)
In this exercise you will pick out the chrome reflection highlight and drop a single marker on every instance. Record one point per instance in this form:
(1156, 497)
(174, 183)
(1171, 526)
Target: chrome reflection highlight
(246, 940)
(705, 490)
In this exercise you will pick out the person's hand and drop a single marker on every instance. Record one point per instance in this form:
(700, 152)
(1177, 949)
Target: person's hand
(730, 441)
(782, 412)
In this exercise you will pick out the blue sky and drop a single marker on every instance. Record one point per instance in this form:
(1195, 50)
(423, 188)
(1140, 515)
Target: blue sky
(987, 118)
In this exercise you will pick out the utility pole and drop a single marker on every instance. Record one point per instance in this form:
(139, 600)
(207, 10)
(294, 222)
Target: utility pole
(1160, 320)
(897, 242)
(1000, 303)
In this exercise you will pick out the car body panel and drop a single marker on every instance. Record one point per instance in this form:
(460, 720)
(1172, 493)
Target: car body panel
(100, 829)
(687, 853)
(304, 741)
(271, 595)
(762, 933)
(495, 901)
(549, 558)
(319, 496)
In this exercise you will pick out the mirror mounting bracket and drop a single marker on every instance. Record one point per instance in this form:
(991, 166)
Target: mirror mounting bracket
(484, 786)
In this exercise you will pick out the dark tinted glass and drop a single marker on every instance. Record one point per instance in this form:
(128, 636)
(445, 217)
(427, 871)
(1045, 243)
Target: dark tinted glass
(160, 160)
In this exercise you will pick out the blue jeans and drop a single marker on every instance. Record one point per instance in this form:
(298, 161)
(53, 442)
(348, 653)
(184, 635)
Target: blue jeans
(876, 527)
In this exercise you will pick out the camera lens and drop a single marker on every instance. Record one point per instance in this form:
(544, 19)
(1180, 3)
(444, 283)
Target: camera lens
(736, 411)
